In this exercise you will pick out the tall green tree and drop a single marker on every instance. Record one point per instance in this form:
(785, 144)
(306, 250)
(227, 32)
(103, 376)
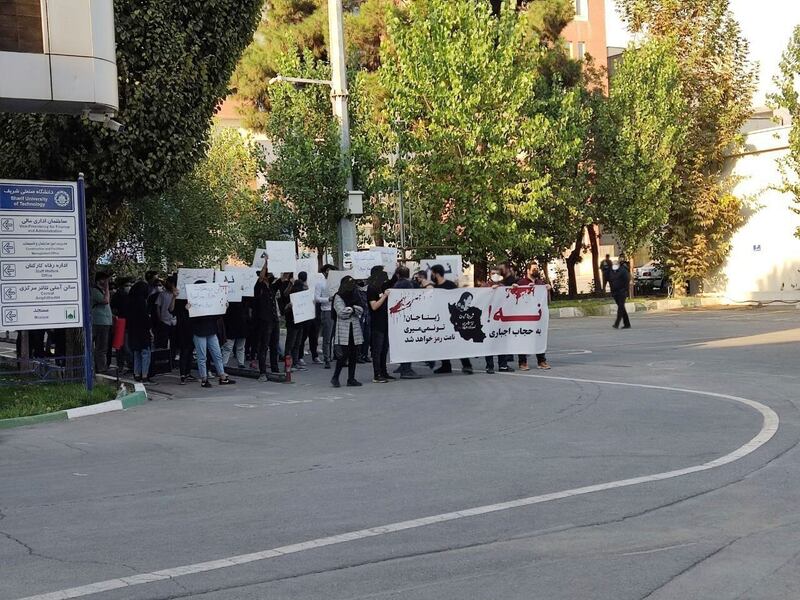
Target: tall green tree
(788, 97)
(717, 83)
(463, 83)
(309, 173)
(175, 61)
(642, 131)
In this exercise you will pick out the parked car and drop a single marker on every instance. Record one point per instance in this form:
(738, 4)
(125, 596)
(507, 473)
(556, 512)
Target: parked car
(650, 279)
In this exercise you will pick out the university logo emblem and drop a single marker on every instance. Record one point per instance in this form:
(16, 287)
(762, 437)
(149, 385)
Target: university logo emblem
(61, 199)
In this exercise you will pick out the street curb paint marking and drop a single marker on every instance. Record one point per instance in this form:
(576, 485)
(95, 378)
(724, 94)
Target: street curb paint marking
(769, 427)
(135, 399)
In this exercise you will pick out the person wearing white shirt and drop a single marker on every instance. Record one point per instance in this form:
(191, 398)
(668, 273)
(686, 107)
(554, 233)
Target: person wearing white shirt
(323, 301)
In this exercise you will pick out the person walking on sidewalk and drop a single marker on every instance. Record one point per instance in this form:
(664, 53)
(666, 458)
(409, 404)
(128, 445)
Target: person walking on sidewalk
(348, 336)
(620, 282)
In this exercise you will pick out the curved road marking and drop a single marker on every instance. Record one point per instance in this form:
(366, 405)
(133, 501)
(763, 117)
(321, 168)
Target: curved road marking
(768, 429)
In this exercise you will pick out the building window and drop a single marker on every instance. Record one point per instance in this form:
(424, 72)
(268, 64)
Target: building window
(582, 10)
(21, 26)
(581, 50)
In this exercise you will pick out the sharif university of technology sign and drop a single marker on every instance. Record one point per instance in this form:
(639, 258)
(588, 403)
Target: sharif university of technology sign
(41, 255)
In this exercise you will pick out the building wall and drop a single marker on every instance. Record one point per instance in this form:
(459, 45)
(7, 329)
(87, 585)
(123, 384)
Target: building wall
(21, 26)
(589, 30)
(764, 263)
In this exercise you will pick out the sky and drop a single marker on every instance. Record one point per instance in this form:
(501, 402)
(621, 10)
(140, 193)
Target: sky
(767, 24)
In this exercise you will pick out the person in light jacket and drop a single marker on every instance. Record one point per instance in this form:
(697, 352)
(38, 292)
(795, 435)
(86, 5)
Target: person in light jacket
(348, 336)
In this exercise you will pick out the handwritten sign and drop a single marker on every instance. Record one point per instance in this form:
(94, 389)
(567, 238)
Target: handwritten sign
(229, 280)
(282, 258)
(453, 266)
(363, 263)
(437, 324)
(259, 258)
(206, 299)
(245, 278)
(190, 276)
(303, 306)
(335, 280)
(388, 258)
(310, 265)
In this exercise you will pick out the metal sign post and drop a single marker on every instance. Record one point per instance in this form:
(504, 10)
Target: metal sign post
(88, 362)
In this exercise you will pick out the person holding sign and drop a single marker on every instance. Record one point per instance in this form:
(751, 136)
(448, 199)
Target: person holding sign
(377, 295)
(204, 331)
(294, 331)
(348, 336)
(440, 282)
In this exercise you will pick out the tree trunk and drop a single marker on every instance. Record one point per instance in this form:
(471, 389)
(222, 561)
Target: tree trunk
(572, 260)
(480, 273)
(377, 231)
(594, 241)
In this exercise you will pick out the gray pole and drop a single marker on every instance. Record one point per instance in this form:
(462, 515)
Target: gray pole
(347, 227)
(400, 204)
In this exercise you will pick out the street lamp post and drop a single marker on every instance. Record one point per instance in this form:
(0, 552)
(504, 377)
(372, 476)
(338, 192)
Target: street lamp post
(346, 231)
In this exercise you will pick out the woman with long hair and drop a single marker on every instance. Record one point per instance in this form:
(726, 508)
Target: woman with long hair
(348, 336)
(139, 327)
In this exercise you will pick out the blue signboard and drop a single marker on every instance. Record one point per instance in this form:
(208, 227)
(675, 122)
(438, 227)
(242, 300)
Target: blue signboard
(37, 197)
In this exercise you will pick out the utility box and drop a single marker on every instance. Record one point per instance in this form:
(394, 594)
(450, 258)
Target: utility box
(58, 56)
(355, 203)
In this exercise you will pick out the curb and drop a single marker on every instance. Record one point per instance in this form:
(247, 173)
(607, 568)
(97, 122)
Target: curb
(605, 310)
(136, 398)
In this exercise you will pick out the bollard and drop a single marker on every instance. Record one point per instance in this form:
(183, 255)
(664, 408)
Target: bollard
(287, 361)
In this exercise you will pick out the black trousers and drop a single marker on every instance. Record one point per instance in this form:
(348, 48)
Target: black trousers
(294, 341)
(347, 354)
(186, 344)
(465, 364)
(266, 339)
(380, 352)
(311, 331)
(622, 313)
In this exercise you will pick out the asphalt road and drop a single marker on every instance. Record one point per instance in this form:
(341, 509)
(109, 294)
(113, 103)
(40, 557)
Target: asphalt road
(205, 475)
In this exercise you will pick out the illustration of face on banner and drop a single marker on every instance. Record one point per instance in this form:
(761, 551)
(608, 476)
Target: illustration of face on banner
(462, 323)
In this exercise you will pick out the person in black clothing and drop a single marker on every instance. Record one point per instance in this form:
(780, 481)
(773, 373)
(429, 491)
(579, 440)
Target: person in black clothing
(294, 331)
(184, 339)
(606, 268)
(377, 296)
(404, 283)
(348, 335)
(439, 282)
(265, 314)
(119, 303)
(620, 281)
(139, 327)
(235, 333)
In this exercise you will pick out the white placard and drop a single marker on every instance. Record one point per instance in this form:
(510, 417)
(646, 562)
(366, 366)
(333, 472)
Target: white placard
(389, 258)
(229, 280)
(363, 263)
(303, 307)
(335, 280)
(191, 276)
(282, 258)
(246, 279)
(310, 265)
(453, 266)
(259, 258)
(206, 299)
(41, 256)
(436, 324)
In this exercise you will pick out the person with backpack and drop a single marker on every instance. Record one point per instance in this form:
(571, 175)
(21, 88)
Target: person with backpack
(348, 336)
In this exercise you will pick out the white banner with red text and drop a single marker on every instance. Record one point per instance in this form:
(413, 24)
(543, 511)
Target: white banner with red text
(436, 324)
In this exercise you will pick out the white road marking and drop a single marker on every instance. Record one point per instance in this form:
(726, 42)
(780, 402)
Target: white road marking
(769, 427)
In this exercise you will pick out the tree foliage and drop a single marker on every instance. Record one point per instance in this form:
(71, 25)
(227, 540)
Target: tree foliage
(717, 83)
(788, 97)
(642, 131)
(309, 174)
(175, 60)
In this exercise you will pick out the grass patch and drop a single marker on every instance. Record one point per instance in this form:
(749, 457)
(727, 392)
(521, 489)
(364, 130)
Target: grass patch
(597, 302)
(40, 399)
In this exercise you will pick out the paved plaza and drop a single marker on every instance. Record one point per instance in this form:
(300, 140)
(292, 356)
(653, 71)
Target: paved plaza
(683, 483)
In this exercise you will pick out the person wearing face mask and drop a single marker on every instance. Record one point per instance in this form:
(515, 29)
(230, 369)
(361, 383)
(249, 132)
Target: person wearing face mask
(377, 296)
(506, 276)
